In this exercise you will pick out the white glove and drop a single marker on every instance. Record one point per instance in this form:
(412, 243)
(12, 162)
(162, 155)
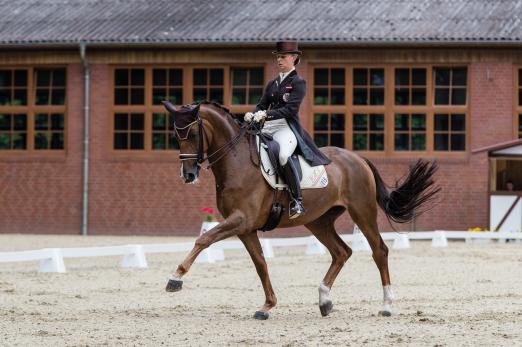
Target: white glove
(248, 117)
(259, 116)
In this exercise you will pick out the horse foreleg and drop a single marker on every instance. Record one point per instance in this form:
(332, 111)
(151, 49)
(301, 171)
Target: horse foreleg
(253, 246)
(233, 225)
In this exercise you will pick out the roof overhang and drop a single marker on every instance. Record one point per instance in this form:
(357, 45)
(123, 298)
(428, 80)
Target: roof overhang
(512, 148)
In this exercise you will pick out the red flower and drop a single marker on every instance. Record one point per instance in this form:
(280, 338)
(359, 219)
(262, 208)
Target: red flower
(208, 210)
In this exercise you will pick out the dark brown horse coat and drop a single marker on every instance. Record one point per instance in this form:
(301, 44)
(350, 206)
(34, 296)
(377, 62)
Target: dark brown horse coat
(282, 100)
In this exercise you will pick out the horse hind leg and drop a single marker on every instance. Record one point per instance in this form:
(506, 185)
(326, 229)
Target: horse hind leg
(324, 230)
(365, 216)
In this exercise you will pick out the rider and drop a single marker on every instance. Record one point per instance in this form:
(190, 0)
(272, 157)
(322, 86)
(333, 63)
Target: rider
(278, 108)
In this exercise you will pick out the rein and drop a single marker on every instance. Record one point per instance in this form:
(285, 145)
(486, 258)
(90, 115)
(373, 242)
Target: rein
(245, 128)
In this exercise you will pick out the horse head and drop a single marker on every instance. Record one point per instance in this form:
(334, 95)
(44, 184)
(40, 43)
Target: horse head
(188, 128)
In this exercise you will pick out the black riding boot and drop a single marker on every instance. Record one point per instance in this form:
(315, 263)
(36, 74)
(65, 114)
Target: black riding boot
(292, 180)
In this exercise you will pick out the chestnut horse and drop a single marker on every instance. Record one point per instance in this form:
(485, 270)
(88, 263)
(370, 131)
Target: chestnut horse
(244, 199)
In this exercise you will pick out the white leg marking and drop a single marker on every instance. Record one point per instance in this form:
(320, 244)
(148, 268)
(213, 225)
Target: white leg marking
(388, 298)
(324, 294)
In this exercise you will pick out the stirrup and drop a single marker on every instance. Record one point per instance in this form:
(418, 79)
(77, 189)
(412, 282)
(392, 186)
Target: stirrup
(296, 209)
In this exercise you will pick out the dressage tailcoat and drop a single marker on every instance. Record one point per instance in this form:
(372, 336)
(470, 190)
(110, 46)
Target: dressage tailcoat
(282, 100)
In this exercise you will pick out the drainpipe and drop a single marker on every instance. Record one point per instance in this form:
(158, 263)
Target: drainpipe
(86, 85)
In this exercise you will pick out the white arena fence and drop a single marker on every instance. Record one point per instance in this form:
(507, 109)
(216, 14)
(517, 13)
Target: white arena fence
(52, 259)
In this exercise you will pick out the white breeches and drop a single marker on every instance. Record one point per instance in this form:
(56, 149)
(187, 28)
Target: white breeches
(283, 135)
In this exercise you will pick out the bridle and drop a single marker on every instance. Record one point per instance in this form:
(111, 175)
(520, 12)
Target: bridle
(221, 152)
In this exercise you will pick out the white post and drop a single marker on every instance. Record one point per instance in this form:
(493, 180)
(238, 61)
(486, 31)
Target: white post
(211, 254)
(218, 254)
(359, 242)
(268, 250)
(206, 256)
(440, 240)
(136, 258)
(402, 241)
(54, 263)
(315, 247)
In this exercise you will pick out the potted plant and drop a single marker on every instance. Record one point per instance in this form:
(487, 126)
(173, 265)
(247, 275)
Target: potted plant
(209, 220)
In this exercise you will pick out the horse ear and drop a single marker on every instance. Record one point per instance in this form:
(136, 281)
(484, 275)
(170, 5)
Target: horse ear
(171, 108)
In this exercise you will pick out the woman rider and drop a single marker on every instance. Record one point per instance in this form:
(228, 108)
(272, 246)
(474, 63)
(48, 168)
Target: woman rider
(279, 109)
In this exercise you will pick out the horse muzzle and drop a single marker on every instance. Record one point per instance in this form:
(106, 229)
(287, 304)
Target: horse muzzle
(190, 174)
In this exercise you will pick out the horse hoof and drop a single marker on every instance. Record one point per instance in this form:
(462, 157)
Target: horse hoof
(260, 315)
(385, 313)
(174, 286)
(326, 308)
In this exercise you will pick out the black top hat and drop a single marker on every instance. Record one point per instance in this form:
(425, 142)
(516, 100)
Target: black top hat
(287, 47)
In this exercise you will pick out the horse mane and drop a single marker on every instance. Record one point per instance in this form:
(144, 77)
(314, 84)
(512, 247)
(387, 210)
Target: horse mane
(225, 110)
(217, 104)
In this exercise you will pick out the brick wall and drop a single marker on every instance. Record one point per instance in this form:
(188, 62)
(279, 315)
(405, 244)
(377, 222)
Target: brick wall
(40, 194)
(146, 196)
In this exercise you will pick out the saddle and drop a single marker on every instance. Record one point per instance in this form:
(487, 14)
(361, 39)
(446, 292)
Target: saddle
(311, 177)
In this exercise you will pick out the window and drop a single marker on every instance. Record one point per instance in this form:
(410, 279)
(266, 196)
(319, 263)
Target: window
(395, 109)
(450, 86)
(13, 126)
(518, 108)
(368, 117)
(129, 131)
(410, 132)
(13, 87)
(129, 86)
(163, 136)
(329, 86)
(208, 84)
(449, 132)
(139, 120)
(329, 129)
(368, 86)
(506, 170)
(410, 86)
(520, 126)
(167, 84)
(13, 131)
(368, 132)
(32, 110)
(49, 131)
(50, 87)
(247, 85)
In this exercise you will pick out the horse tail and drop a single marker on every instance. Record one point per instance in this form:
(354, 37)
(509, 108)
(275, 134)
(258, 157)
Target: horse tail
(402, 203)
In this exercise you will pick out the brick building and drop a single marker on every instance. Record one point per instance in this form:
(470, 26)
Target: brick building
(392, 80)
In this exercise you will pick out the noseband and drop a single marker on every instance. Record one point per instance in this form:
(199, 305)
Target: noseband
(199, 156)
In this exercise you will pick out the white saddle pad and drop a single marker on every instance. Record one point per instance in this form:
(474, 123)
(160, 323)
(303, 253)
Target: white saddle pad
(314, 177)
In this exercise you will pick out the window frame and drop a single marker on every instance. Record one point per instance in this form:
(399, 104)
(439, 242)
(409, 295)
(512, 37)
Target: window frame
(389, 109)
(31, 109)
(517, 109)
(246, 107)
(148, 108)
(228, 87)
(328, 108)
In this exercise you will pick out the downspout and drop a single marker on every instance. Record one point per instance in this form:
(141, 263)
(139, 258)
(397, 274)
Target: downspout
(85, 193)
